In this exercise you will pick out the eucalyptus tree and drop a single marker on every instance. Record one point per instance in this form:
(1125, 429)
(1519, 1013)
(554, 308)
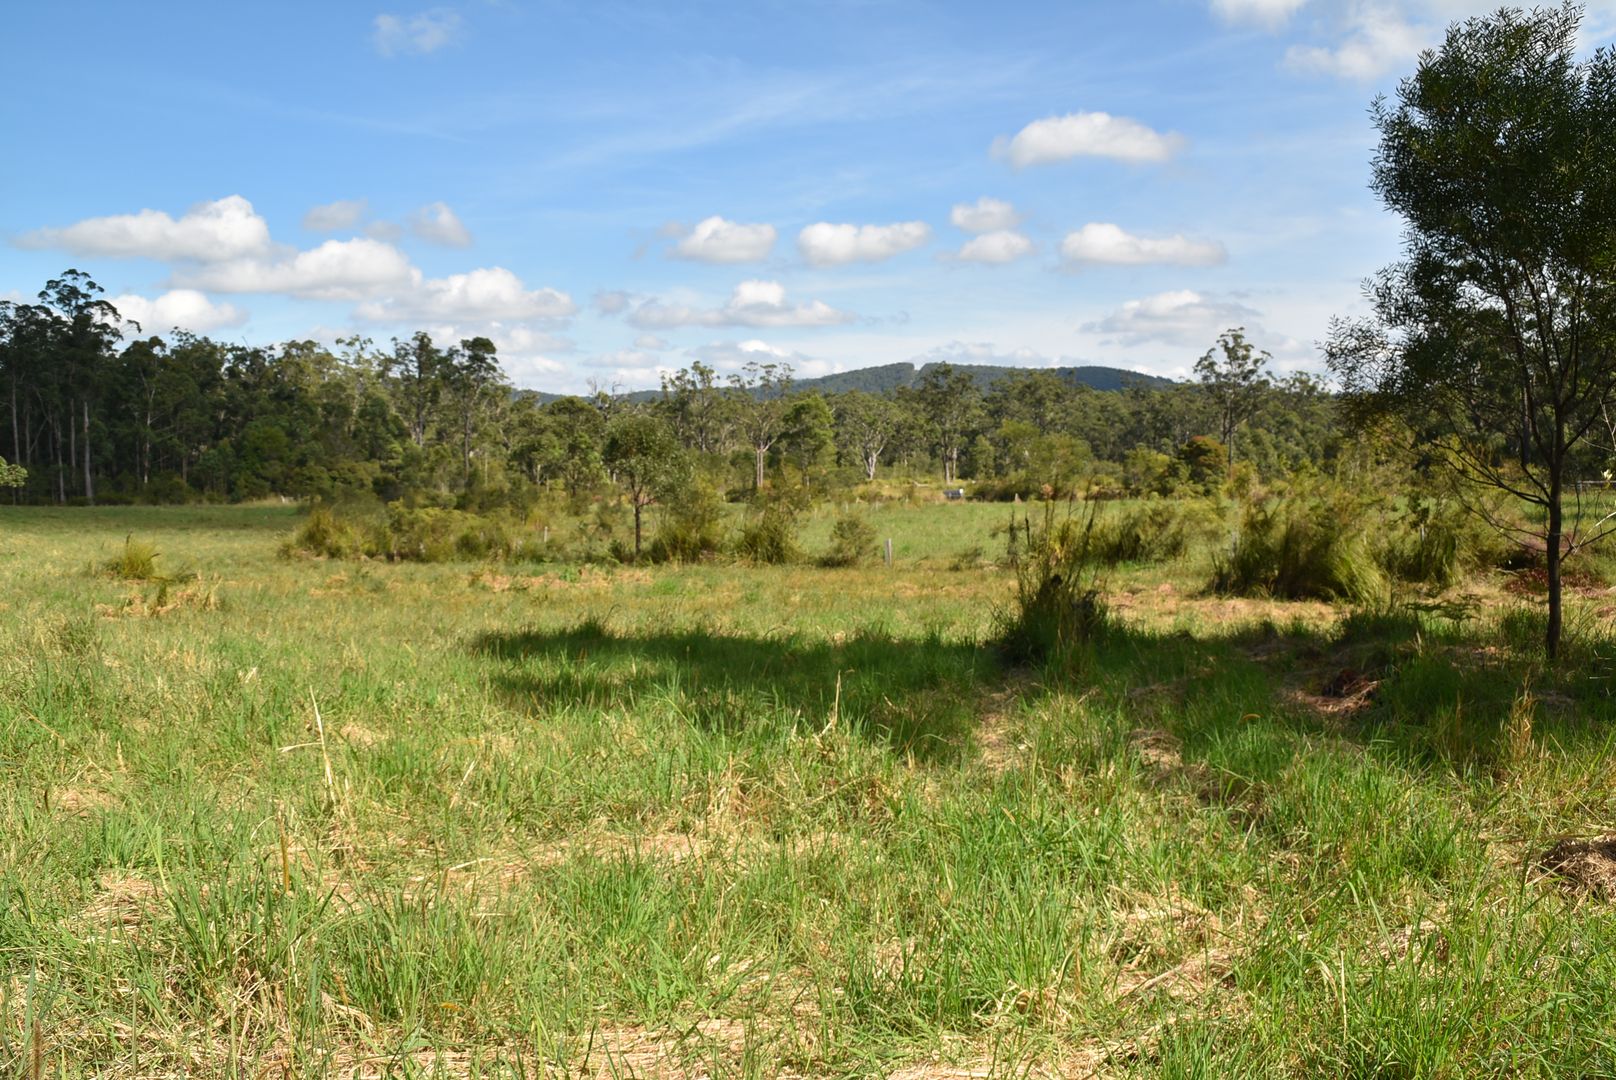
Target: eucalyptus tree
(1494, 337)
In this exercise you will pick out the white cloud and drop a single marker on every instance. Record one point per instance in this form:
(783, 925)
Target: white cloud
(491, 293)
(438, 224)
(1269, 13)
(336, 270)
(611, 301)
(985, 352)
(624, 362)
(753, 303)
(183, 309)
(1379, 39)
(1183, 317)
(334, 216)
(984, 216)
(716, 240)
(418, 34)
(1087, 134)
(734, 355)
(1002, 246)
(651, 342)
(1102, 242)
(227, 228)
(825, 244)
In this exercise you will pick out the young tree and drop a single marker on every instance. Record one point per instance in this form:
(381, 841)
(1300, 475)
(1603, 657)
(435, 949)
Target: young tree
(12, 476)
(1496, 333)
(1235, 383)
(809, 432)
(864, 425)
(473, 377)
(646, 459)
(761, 391)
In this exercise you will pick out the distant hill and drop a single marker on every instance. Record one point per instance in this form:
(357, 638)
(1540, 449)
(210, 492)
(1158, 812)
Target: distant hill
(886, 378)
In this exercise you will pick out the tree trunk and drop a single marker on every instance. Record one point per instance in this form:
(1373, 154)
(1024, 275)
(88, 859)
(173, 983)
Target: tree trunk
(637, 508)
(870, 461)
(757, 479)
(1551, 635)
(89, 481)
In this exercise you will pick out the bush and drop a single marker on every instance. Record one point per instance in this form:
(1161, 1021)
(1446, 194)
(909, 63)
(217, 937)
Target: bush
(408, 534)
(137, 561)
(692, 528)
(852, 540)
(1157, 531)
(771, 537)
(323, 535)
(1302, 547)
(1059, 607)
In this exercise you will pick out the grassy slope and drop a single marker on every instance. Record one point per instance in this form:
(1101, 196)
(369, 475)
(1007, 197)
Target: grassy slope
(751, 821)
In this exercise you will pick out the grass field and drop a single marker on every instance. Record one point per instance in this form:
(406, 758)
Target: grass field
(296, 818)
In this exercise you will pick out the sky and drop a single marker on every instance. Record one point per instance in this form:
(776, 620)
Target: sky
(612, 190)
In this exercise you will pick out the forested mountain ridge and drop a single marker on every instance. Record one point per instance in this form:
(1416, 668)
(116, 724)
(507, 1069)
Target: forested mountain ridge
(886, 378)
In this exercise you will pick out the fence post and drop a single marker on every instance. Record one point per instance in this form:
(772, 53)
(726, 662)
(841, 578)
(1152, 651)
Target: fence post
(889, 551)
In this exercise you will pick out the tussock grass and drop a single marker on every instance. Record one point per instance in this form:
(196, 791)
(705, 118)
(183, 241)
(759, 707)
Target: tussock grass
(735, 820)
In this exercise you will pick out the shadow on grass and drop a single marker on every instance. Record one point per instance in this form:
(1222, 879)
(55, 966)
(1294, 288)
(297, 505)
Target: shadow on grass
(921, 697)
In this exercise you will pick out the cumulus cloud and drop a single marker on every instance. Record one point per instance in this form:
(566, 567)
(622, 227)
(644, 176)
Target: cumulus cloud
(487, 294)
(651, 342)
(178, 309)
(985, 352)
(438, 224)
(611, 301)
(825, 244)
(1270, 13)
(415, 35)
(1379, 39)
(753, 303)
(335, 216)
(226, 228)
(1183, 317)
(624, 361)
(984, 216)
(1087, 134)
(716, 240)
(1101, 242)
(734, 355)
(1002, 246)
(336, 270)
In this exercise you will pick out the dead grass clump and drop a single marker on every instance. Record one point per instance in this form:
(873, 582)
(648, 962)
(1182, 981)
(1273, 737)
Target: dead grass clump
(123, 899)
(1584, 866)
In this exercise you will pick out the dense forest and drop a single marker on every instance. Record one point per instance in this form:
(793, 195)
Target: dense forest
(98, 411)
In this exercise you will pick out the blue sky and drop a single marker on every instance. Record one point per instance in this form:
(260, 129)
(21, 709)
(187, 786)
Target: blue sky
(613, 189)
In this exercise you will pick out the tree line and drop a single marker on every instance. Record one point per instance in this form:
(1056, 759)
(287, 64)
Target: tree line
(98, 411)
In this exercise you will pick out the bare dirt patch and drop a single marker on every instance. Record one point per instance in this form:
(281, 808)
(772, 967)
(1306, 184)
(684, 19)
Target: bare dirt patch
(1584, 866)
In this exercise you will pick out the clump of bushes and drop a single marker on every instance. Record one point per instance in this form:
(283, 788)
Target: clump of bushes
(692, 528)
(409, 534)
(136, 562)
(1302, 547)
(852, 540)
(1157, 531)
(1059, 606)
(770, 538)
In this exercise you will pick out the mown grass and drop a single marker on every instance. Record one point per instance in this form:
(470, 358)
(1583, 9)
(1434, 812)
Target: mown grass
(368, 819)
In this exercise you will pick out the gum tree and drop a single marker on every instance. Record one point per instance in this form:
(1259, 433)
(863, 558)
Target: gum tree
(1494, 338)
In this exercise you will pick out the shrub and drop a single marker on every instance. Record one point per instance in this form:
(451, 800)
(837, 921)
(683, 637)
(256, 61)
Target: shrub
(771, 537)
(1302, 547)
(852, 540)
(326, 536)
(1059, 607)
(137, 561)
(1156, 531)
(692, 528)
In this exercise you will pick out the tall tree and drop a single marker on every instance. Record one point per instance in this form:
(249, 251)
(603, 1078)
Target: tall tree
(646, 459)
(473, 376)
(1235, 381)
(417, 370)
(953, 406)
(760, 391)
(1496, 333)
(864, 425)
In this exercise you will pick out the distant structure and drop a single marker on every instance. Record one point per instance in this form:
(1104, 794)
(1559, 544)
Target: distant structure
(953, 493)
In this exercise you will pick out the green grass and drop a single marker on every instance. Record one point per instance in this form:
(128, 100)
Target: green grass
(515, 819)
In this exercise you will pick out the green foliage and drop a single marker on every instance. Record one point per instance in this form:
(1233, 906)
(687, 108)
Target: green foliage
(12, 476)
(852, 540)
(136, 562)
(1059, 608)
(1303, 547)
(770, 537)
(1157, 531)
(692, 527)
